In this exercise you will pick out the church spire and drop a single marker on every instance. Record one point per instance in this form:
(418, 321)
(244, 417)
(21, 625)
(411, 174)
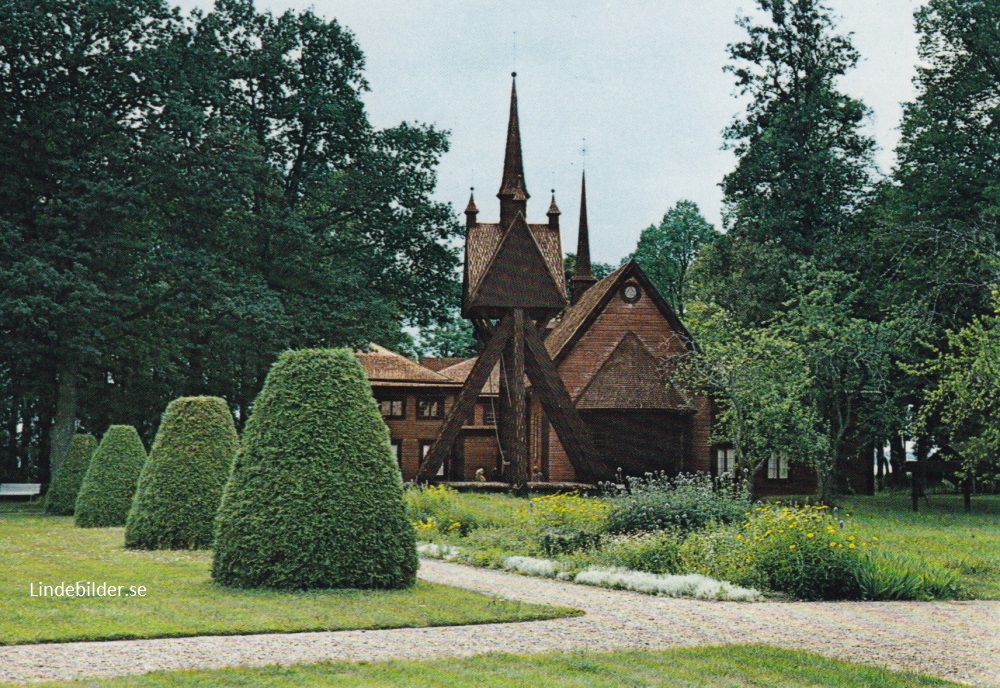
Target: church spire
(583, 278)
(513, 194)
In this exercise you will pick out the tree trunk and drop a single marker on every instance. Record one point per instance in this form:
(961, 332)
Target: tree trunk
(897, 455)
(64, 423)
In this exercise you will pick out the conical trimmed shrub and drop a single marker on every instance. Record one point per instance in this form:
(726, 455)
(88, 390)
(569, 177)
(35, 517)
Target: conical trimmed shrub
(315, 499)
(61, 497)
(181, 484)
(107, 489)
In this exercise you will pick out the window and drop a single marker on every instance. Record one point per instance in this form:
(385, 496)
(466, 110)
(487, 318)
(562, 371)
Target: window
(392, 408)
(430, 407)
(397, 449)
(726, 461)
(489, 414)
(777, 467)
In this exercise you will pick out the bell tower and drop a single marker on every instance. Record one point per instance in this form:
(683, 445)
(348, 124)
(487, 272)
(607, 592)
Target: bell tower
(513, 284)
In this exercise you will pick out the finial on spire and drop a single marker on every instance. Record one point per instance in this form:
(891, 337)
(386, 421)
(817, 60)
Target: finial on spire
(554, 213)
(471, 210)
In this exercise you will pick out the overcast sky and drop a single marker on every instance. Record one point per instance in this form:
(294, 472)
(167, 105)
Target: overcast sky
(641, 81)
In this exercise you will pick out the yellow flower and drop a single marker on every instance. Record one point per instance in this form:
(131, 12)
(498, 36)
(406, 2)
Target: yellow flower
(791, 547)
(851, 546)
(809, 535)
(833, 544)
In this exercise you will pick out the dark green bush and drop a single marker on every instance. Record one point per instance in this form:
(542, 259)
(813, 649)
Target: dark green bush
(107, 489)
(61, 497)
(315, 498)
(687, 502)
(181, 484)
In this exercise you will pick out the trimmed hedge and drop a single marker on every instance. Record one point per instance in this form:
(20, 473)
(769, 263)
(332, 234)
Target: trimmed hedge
(107, 489)
(315, 498)
(61, 497)
(181, 484)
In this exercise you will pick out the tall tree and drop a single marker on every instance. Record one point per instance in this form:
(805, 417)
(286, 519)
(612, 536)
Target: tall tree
(804, 166)
(933, 244)
(182, 198)
(73, 272)
(940, 219)
(667, 251)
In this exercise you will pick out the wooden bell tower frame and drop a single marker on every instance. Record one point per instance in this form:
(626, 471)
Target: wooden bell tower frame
(513, 286)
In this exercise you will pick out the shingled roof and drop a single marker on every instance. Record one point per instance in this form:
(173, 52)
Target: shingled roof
(577, 318)
(483, 239)
(631, 378)
(385, 367)
(460, 372)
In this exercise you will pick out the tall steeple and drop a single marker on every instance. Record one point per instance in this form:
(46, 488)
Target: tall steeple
(513, 194)
(583, 278)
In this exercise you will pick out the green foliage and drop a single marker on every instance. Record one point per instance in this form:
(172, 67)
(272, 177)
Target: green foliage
(686, 502)
(438, 507)
(887, 576)
(454, 338)
(109, 484)
(653, 552)
(61, 497)
(850, 357)
(762, 385)
(315, 499)
(666, 252)
(163, 124)
(808, 553)
(804, 552)
(181, 484)
(964, 396)
(803, 164)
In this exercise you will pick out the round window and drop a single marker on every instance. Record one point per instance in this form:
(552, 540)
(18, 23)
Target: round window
(631, 293)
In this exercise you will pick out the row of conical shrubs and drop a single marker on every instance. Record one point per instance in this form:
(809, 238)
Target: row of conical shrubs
(181, 485)
(314, 498)
(109, 483)
(61, 497)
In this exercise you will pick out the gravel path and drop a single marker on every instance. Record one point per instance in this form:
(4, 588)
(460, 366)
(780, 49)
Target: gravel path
(955, 640)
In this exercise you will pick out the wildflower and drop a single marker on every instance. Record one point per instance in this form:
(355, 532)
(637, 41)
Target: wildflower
(809, 535)
(851, 546)
(791, 547)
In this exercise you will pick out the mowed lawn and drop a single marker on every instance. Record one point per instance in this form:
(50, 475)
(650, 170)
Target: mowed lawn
(182, 600)
(941, 533)
(731, 666)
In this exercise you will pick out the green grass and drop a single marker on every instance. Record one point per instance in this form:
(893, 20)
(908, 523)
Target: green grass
(941, 534)
(182, 600)
(730, 666)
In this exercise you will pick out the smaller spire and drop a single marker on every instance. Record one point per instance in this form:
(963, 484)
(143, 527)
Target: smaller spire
(553, 212)
(471, 210)
(583, 278)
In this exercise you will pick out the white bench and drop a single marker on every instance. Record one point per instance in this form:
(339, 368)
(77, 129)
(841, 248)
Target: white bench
(20, 489)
